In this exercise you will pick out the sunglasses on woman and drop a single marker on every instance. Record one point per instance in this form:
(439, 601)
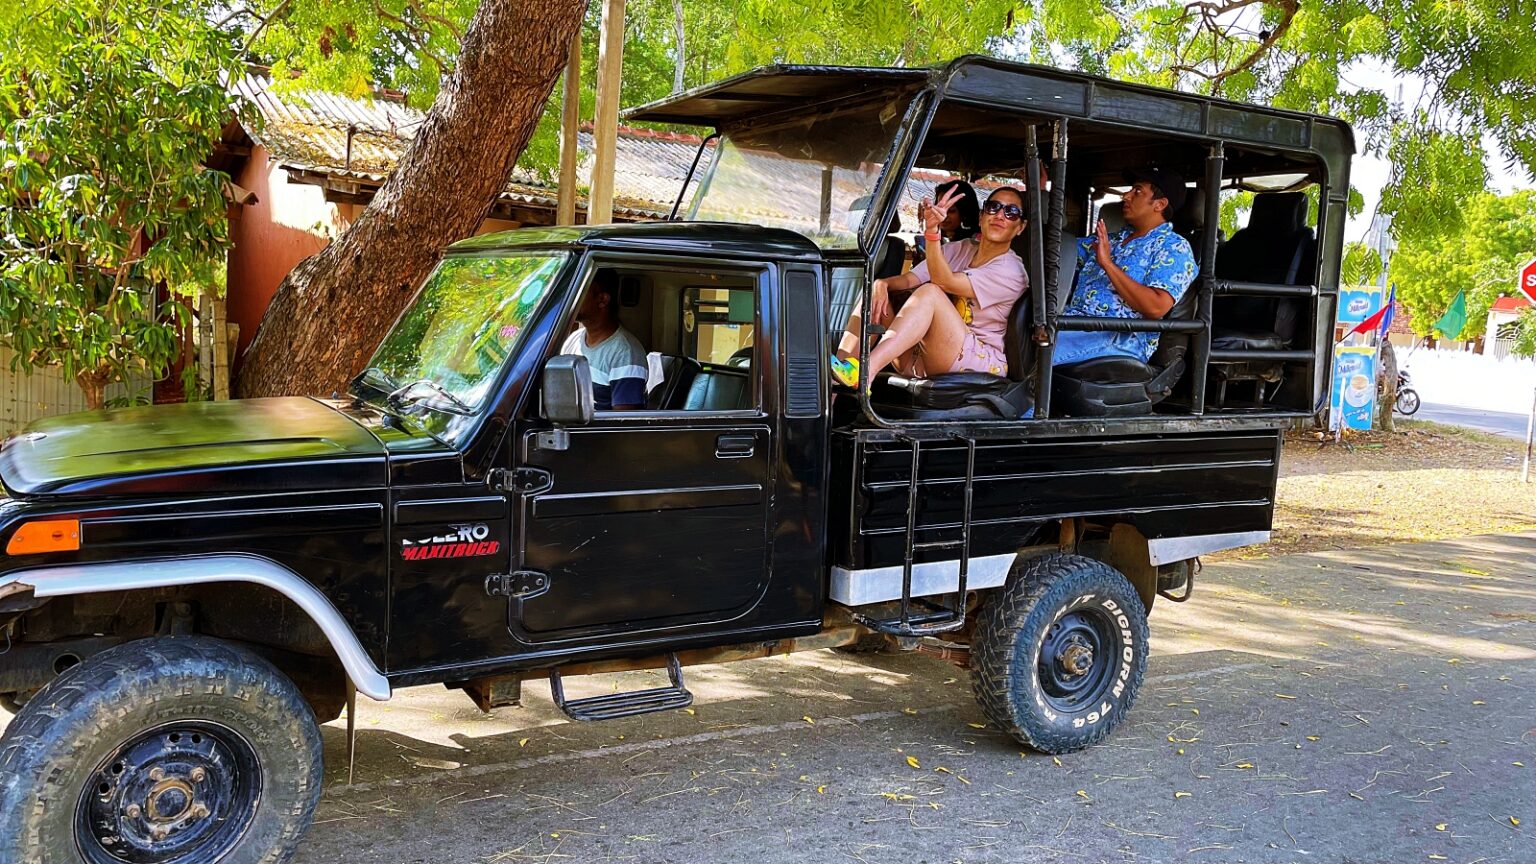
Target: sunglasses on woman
(1011, 212)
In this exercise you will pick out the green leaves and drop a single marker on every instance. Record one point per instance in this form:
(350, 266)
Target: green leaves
(1495, 236)
(109, 108)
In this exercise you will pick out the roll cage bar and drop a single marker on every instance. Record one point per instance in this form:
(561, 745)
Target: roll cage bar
(1051, 100)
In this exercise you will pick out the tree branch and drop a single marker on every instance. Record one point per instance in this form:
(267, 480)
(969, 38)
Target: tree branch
(256, 34)
(1209, 12)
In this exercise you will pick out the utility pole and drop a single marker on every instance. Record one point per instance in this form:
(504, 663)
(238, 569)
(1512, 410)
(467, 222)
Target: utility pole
(1530, 434)
(570, 127)
(610, 60)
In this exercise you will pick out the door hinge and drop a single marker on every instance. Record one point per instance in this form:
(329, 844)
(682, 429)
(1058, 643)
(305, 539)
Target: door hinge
(520, 481)
(523, 584)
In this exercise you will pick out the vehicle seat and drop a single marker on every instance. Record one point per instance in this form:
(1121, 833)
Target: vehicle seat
(1275, 248)
(966, 395)
(1126, 386)
(719, 388)
(677, 374)
(892, 257)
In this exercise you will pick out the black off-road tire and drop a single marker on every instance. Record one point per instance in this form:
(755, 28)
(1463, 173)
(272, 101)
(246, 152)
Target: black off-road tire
(1088, 613)
(231, 735)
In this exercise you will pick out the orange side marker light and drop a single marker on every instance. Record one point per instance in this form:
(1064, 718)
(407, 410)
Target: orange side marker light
(47, 535)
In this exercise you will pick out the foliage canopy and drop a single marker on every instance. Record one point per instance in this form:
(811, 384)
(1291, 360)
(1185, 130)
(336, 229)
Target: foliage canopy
(109, 108)
(1497, 236)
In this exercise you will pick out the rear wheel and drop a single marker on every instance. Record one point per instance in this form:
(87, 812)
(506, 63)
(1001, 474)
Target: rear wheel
(1060, 652)
(1407, 401)
(165, 751)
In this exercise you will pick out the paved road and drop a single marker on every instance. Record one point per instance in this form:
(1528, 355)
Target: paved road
(1346, 707)
(1504, 423)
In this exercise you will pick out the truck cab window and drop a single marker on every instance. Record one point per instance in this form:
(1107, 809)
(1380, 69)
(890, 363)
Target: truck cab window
(697, 329)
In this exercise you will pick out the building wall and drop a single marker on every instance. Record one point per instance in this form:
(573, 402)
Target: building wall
(288, 223)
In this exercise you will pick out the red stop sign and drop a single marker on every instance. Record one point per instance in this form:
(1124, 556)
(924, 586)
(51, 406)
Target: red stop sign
(1528, 280)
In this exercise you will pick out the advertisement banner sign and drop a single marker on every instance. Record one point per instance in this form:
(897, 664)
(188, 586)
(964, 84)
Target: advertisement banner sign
(1354, 385)
(1357, 303)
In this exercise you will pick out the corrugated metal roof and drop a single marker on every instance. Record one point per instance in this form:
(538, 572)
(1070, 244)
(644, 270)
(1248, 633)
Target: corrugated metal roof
(311, 130)
(363, 140)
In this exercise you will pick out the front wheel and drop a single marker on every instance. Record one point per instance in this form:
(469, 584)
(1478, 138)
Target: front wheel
(1060, 652)
(179, 750)
(1407, 401)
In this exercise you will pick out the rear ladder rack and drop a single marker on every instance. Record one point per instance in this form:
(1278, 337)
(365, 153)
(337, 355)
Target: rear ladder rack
(935, 618)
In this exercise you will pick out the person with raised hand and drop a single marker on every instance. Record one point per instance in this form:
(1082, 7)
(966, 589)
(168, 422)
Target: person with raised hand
(957, 315)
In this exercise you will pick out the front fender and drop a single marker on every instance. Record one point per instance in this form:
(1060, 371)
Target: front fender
(73, 579)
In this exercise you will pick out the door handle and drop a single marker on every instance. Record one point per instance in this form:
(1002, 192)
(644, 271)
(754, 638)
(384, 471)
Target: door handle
(735, 446)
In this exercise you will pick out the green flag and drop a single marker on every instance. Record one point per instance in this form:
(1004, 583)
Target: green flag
(1455, 317)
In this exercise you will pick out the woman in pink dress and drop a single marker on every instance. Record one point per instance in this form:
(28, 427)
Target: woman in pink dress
(956, 318)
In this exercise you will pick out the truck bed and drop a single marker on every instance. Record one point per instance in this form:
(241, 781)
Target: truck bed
(1166, 484)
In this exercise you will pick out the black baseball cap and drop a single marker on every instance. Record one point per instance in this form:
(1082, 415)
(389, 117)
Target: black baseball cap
(1167, 183)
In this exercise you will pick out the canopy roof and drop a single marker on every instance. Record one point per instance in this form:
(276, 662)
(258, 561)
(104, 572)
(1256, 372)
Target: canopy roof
(767, 89)
(1042, 91)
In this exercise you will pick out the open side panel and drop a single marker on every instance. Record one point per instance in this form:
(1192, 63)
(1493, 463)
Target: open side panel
(1166, 485)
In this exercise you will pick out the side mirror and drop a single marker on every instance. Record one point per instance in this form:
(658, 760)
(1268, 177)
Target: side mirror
(565, 391)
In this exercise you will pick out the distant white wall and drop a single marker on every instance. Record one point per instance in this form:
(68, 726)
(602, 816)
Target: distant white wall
(1469, 380)
(24, 398)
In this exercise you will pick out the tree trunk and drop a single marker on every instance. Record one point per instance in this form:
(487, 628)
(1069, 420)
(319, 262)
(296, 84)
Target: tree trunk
(329, 314)
(93, 383)
(1386, 379)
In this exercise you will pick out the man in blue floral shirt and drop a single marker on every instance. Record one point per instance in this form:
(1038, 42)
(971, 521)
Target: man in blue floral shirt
(1138, 272)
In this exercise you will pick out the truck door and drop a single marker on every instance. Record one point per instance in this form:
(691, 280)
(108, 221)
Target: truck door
(658, 519)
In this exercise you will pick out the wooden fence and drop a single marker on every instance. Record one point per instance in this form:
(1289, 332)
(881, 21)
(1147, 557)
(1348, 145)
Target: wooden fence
(46, 392)
(27, 397)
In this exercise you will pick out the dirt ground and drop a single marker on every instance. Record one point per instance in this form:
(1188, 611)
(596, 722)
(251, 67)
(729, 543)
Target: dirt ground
(1423, 482)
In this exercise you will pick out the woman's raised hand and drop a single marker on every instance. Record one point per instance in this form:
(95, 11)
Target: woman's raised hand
(933, 214)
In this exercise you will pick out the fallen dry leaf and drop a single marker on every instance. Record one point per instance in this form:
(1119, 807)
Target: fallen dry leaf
(912, 760)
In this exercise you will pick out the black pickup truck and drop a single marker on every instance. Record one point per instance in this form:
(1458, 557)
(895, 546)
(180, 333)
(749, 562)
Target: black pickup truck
(187, 590)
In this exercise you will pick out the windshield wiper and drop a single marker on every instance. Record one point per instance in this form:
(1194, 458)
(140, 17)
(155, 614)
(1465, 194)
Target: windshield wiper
(377, 377)
(399, 395)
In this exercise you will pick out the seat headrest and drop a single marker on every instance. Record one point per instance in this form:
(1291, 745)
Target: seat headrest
(1113, 215)
(1192, 215)
(1279, 212)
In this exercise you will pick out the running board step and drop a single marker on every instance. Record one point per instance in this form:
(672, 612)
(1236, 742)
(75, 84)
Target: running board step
(612, 706)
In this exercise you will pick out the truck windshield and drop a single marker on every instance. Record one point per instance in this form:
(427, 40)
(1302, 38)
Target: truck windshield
(813, 174)
(446, 349)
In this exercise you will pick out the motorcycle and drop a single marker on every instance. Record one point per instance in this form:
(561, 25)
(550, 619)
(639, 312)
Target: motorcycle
(1407, 398)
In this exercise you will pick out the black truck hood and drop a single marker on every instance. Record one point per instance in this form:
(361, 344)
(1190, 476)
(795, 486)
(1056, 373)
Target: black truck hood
(244, 445)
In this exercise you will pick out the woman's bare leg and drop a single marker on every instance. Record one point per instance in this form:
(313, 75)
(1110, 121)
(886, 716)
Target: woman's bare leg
(848, 346)
(930, 318)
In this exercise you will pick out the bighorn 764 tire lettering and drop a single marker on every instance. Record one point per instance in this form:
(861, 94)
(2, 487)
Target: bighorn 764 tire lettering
(1060, 652)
